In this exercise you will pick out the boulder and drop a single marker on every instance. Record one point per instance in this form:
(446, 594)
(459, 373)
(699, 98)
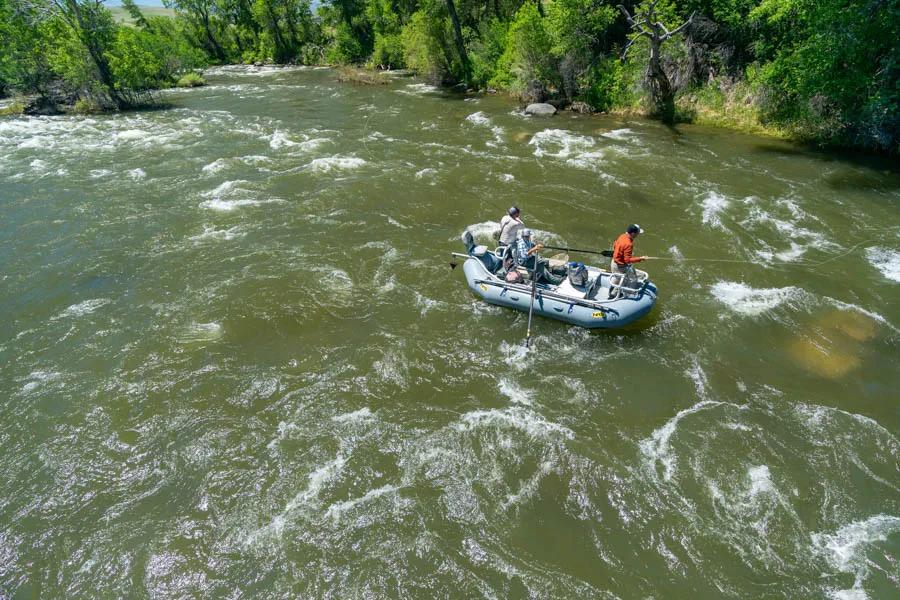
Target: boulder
(540, 109)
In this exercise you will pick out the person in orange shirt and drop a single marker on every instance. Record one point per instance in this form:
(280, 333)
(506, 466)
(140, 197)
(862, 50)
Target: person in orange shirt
(623, 250)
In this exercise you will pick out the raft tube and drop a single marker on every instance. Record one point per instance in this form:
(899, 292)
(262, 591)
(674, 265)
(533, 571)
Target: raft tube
(565, 302)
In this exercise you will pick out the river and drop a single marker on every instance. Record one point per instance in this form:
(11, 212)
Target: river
(234, 361)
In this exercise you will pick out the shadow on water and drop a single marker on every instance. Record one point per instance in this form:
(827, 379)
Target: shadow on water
(881, 173)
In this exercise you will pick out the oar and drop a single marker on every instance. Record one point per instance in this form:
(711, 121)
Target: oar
(533, 294)
(606, 253)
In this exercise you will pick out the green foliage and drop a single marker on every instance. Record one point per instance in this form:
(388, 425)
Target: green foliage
(425, 42)
(345, 48)
(834, 71)
(388, 51)
(16, 107)
(86, 106)
(190, 80)
(135, 65)
(485, 52)
(527, 57)
(606, 85)
(826, 70)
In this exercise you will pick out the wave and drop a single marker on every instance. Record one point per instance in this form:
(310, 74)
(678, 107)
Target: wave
(517, 418)
(886, 261)
(656, 448)
(215, 166)
(745, 300)
(845, 549)
(336, 510)
(200, 332)
(211, 233)
(83, 308)
(331, 163)
(514, 391)
(713, 206)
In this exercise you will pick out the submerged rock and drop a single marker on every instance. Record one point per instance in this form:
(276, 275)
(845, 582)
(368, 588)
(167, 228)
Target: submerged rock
(540, 109)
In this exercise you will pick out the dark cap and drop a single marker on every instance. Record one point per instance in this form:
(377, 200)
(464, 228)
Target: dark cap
(634, 228)
(513, 211)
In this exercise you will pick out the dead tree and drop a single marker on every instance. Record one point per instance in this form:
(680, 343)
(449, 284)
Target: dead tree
(645, 23)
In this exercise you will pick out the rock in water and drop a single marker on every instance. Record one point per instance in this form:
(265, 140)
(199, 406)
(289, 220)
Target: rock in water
(540, 109)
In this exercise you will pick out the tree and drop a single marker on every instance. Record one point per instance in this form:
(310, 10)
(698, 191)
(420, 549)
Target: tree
(646, 24)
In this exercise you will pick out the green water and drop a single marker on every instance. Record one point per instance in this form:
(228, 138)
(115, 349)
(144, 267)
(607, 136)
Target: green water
(234, 361)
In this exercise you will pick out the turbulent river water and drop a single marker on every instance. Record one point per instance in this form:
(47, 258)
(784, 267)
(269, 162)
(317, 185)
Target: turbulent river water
(235, 363)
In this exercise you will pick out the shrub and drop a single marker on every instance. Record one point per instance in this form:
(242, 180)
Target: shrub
(189, 80)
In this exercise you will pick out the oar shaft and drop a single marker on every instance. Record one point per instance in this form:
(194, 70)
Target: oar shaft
(606, 253)
(533, 294)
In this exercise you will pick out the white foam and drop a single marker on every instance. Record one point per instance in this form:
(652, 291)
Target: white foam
(313, 144)
(760, 481)
(362, 415)
(514, 391)
(656, 447)
(426, 173)
(619, 134)
(506, 177)
(713, 206)
(315, 482)
(749, 301)
(39, 378)
(327, 164)
(796, 251)
(230, 205)
(513, 418)
(137, 174)
(339, 508)
(98, 173)
(211, 233)
(885, 260)
(215, 166)
(484, 230)
(83, 308)
(131, 135)
(200, 332)
(225, 188)
(479, 118)
(417, 89)
(845, 549)
(565, 143)
(279, 139)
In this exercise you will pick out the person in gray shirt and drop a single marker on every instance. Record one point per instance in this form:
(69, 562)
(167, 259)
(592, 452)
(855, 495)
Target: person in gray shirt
(510, 225)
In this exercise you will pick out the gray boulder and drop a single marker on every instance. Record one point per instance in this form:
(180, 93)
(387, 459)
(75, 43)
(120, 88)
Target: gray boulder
(540, 109)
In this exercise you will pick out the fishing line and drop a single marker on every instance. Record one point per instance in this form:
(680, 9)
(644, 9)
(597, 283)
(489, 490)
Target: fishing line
(799, 263)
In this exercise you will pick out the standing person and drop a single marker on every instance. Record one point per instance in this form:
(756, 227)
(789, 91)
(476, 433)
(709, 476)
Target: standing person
(622, 260)
(624, 248)
(510, 225)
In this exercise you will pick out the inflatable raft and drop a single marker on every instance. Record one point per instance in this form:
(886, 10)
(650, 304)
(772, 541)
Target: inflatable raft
(607, 300)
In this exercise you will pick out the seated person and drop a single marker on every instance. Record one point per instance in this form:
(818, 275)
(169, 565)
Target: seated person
(525, 255)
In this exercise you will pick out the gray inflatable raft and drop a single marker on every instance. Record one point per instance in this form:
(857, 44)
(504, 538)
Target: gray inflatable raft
(588, 306)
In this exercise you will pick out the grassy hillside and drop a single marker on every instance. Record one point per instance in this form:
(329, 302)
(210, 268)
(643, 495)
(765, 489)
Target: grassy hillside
(121, 15)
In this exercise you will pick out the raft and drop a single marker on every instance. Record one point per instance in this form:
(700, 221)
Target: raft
(589, 306)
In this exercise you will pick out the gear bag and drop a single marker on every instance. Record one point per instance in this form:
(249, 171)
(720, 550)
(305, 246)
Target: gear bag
(578, 274)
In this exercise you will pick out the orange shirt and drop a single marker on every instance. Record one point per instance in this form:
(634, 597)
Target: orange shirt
(622, 250)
